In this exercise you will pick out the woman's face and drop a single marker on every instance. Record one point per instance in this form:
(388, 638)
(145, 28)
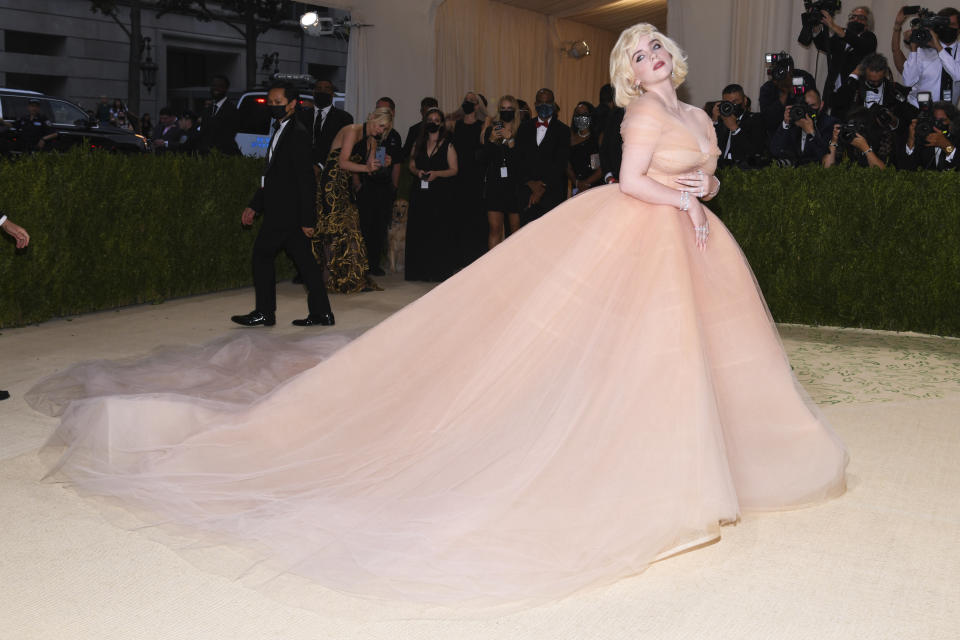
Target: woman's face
(650, 61)
(471, 97)
(376, 128)
(581, 110)
(506, 106)
(435, 118)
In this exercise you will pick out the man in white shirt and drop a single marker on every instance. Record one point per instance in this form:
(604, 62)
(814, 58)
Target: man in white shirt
(934, 67)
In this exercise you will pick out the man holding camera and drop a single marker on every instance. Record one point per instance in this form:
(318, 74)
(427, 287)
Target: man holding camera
(803, 136)
(740, 134)
(781, 89)
(845, 47)
(936, 134)
(933, 64)
(871, 84)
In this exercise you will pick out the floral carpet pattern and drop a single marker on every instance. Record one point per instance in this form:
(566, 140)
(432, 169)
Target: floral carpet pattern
(849, 366)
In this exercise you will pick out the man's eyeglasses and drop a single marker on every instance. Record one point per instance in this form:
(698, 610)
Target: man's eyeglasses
(859, 17)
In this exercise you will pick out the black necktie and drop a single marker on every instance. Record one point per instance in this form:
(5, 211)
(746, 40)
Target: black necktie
(318, 126)
(946, 81)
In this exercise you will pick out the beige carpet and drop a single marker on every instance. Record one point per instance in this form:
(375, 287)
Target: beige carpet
(883, 561)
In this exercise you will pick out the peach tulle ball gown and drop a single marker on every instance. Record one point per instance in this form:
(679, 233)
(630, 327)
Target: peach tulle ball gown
(590, 396)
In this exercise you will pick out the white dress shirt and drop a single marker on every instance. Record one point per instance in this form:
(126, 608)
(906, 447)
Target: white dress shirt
(921, 71)
(218, 104)
(276, 137)
(542, 131)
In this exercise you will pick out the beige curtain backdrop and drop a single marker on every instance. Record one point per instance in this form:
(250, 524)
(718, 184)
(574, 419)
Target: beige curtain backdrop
(496, 49)
(726, 39)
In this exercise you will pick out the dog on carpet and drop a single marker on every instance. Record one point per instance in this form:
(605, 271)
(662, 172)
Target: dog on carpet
(397, 236)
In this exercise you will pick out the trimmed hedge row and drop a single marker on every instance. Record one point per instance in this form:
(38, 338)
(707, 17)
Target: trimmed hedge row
(850, 246)
(844, 247)
(110, 230)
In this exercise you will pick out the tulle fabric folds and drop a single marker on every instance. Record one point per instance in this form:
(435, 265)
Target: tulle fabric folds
(593, 394)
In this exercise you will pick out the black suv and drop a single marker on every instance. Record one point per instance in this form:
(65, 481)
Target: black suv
(71, 122)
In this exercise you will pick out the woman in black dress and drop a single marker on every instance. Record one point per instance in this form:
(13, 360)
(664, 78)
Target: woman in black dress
(471, 219)
(500, 188)
(431, 240)
(583, 170)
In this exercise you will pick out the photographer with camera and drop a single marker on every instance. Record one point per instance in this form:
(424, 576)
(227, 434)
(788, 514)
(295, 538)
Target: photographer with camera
(933, 64)
(845, 46)
(804, 132)
(871, 84)
(936, 131)
(867, 138)
(779, 90)
(740, 134)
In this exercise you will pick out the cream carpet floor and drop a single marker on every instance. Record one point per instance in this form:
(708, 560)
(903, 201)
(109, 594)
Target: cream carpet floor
(883, 561)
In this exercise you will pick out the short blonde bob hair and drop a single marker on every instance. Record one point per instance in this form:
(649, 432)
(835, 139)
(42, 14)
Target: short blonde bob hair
(621, 75)
(384, 116)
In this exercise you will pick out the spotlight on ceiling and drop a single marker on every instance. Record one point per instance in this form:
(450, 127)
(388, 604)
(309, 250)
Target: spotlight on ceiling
(313, 25)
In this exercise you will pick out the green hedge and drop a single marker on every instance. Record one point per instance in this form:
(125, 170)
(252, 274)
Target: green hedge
(849, 246)
(845, 246)
(109, 230)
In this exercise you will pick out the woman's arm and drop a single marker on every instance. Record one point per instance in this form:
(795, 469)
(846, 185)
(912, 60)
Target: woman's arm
(412, 165)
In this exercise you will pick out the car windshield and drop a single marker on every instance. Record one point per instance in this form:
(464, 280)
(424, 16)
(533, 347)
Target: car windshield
(66, 113)
(15, 107)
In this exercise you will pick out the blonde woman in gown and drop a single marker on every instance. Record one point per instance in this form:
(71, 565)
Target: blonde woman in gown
(617, 396)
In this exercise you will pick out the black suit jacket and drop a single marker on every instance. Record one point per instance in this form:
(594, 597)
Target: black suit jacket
(412, 134)
(747, 145)
(853, 93)
(546, 162)
(219, 131)
(924, 157)
(785, 143)
(841, 61)
(611, 151)
(770, 106)
(288, 196)
(322, 137)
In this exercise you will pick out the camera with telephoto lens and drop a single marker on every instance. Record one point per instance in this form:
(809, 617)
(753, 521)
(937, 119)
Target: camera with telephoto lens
(927, 21)
(925, 122)
(727, 109)
(811, 15)
(850, 130)
(780, 65)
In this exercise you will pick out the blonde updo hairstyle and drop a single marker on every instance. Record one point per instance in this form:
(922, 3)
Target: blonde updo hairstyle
(621, 74)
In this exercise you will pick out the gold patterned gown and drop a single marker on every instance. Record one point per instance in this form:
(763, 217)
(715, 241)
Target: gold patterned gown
(338, 243)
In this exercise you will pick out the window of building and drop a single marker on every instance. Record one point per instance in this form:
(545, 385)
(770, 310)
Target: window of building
(40, 44)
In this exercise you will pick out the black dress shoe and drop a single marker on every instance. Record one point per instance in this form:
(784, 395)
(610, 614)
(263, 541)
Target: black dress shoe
(326, 320)
(4, 395)
(255, 318)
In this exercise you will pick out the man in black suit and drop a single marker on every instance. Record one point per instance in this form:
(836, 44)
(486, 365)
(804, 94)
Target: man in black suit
(741, 135)
(414, 131)
(287, 200)
(845, 47)
(870, 84)
(324, 121)
(936, 151)
(803, 140)
(219, 121)
(543, 145)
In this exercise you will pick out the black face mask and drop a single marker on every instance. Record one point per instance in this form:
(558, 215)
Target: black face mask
(433, 127)
(322, 100)
(855, 28)
(278, 111)
(468, 107)
(507, 116)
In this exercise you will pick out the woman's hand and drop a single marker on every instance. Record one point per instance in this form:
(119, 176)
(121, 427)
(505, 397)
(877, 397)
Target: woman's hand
(859, 142)
(698, 183)
(700, 226)
(372, 164)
